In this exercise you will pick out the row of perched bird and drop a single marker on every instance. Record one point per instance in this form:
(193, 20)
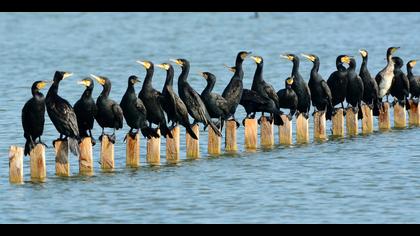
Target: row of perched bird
(149, 106)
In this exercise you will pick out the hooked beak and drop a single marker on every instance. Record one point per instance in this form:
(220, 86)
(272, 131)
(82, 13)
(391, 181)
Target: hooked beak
(67, 74)
(176, 61)
(97, 78)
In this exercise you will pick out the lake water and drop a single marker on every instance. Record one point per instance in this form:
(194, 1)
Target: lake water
(371, 179)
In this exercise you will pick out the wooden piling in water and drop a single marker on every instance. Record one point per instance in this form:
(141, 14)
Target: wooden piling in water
(352, 122)
(153, 150)
(172, 146)
(132, 151)
(320, 132)
(193, 145)
(400, 116)
(285, 131)
(367, 121)
(107, 154)
(86, 157)
(230, 136)
(267, 133)
(338, 123)
(38, 166)
(62, 165)
(251, 134)
(414, 114)
(16, 165)
(214, 143)
(384, 120)
(302, 129)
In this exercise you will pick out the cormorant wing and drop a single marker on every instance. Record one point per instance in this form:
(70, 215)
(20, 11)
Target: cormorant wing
(221, 102)
(197, 104)
(118, 113)
(272, 94)
(140, 107)
(250, 95)
(65, 114)
(326, 89)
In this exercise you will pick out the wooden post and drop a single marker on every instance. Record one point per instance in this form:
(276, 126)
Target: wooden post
(62, 165)
(302, 129)
(86, 157)
(230, 137)
(384, 117)
(38, 167)
(352, 122)
(107, 154)
(251, 134)
(338, 123)
(414, 114)
(193, 145)
(267, 133)
(132, 151)
(153, 150)
(214, 143)
(285, 131)
(320, 133)
(16, 165)
(172, 146)
(367, 121)
(400, 116)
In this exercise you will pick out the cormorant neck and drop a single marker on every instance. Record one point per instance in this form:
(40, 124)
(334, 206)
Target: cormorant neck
(258, 73)
(210, 86)
(87, 93)
(295, 68)
(130, 88)
(169, 77)
(315, 68)
(184, 73)
(409, 71)
(238, 70)
(106, 90)
(340, 67)
(364, 63)
(148, 77)
(53, 89)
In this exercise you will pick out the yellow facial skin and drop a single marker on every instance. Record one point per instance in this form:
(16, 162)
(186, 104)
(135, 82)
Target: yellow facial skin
(345, 59)
(204, 75)
(289, 81)
(84, 82)
(164, 66)
(288, 57)
(176, 61)
(309, 57)
(99, 79)
(412, 63)
(393, 50)
(67, 74)
(363, 53)
(257, 59)
(244, 55)
(41, 85)
(146, 64)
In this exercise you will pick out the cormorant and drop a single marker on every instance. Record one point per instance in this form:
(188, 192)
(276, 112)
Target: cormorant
(233, 91)
(414, 80)
(400, 88)
(152, 100)
(191, 98)
(288, 99)
(85, 109)
(300, 87)
(355, 89)
(267, 92)
(135, 112)
(216, 105)
(385, 76)
(338, 85)
(173, 105)
(62, 114)
(109, 114)
(370, 87)
(33, 117)
(320, 92)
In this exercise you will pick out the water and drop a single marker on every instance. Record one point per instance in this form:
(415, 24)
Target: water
(372, 179)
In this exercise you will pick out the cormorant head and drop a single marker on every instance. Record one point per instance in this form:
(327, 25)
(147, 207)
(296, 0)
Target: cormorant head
(38, 85)
(398, 62)
(102, 80)
(411, 63)
(87, 82)
(259, 60)
(132, 80)
(290, 57)
(289, 81)
(363, 52)
(60, 75)
(207, 76)
(164, 66)
(146, 64)
(242, 55)
(391, 50)
(344, 59)
(181, 62)
(310, 57)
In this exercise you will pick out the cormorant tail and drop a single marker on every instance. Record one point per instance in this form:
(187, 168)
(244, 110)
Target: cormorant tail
(29, 145)
(215, 129)
(165, 131)
(376, 105)
(191, 132)
(360, 114)
(74, 146)
(149, 132)
(329, 113)
(278, 120)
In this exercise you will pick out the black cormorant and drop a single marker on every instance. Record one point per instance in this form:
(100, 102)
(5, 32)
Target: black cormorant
(385, 76)
(135, 112)
(400, 88)
(173, 105)
(354, 95)
(300, 87)
(85, 109)
(33, 117)
(62, 114)
(320, 92)
(370, 87)
(414, 80)
(109, 114)
(288, 99)
(152, 100)
(338, 84)
(191, 98)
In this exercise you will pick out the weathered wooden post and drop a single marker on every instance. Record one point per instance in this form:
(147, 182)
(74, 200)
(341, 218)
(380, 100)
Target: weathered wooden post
(251, 134)
(302, 129)
(400, 117)
(285, 131)
(62, 165)
(352, 122)
(384, 120)
(38, 166)
(338, 123)
(107, 154)
(172, 146)
(230, 137)
(132, 151)
(367, 121)
(414, 114)
(214, 143)
(193, 145)
(86, 157)
(16, 165)
(320, 126)
(153, 150)
(267, 133)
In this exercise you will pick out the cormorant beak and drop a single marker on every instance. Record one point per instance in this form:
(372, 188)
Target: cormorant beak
(84, 82)
(203, 75)
(137, 80)
(345, 59)
(144, 63)
(412, 63)
(163, 66)
(290, 58)
(67, 74)
(176, 61)
(256, 59)
(363, 52)
(308, 57)
(99, 79)
(289, 81)
(394, 49)
(42, 84)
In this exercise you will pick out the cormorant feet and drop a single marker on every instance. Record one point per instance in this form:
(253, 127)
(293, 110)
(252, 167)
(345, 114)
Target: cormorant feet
(112, 138)
(93, 141)
(205, 127)
(355, 110)
(59, 139)
(133, 134)
(290, 116)
(393, 103)
(218, 124)
(370, 106)
(45, 145)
